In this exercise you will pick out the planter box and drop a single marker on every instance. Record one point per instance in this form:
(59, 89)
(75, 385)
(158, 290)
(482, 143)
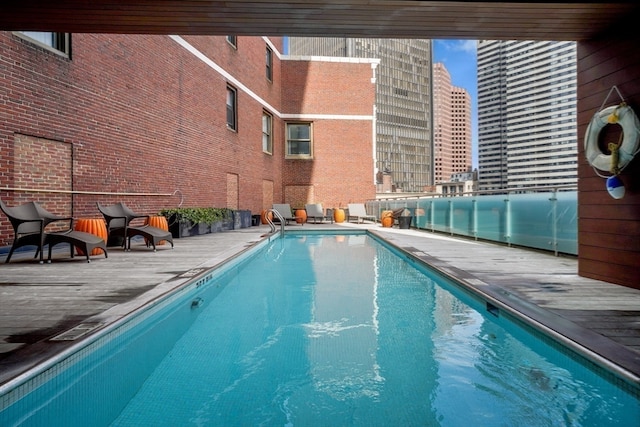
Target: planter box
(224, 225)
(241, 219)
(186, 228)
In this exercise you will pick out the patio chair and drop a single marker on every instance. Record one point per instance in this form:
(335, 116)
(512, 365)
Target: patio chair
(316, 212)
(119, 217)
(29, 221)
(358, 211)
(284, 209)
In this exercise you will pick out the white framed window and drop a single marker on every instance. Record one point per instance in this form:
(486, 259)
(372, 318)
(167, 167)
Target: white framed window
(232, 108)
(299, 144)
(59, 43)
(233, 41)
(267, 132)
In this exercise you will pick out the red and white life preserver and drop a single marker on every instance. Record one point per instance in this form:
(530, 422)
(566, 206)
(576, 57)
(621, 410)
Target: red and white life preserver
(620, 114)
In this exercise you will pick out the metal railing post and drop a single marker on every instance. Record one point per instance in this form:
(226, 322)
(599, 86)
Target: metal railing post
(507, 220)
(450, 216)
(554, 222)
(474, 218)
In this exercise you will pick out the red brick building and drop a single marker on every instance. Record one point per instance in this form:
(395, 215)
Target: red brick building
(154, 120)
(452, 126)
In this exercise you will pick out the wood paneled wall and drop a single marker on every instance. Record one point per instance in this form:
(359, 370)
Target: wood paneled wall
(608, 229)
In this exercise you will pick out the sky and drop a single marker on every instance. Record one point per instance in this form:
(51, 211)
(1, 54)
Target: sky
(460, 59)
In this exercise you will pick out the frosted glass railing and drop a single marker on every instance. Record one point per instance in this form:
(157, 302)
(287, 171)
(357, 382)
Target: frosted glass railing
(545, 220)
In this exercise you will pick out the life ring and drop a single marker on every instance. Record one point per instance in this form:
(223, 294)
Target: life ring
(624, 116)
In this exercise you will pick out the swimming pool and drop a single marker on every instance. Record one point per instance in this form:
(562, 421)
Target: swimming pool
(323, 330)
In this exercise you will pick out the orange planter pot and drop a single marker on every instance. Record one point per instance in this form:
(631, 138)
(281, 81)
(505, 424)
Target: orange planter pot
(338, 215)
(160, 222)
(263, 216)
(95, 226)
(301, 216)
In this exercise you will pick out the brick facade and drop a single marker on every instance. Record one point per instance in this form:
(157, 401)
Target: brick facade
(142, 119)
(342, 170)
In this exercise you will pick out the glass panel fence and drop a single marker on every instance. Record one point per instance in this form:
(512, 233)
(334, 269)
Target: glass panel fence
(532, 220)
(544, 220)
(566, 213)
(492, 218)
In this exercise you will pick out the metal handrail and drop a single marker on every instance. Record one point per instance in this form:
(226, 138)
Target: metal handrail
(92, 193)
(382, 197)
(270, 222)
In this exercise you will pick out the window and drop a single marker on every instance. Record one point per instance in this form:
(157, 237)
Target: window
(232, 108)
(57, 42)
(267, 138)
(233, 41)
(299, 144)
(269, 64)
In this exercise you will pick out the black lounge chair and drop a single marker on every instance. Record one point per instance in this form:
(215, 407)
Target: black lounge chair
(119, 218)
(29, 221)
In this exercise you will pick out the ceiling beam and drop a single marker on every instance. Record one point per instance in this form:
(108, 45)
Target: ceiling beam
(539, 20)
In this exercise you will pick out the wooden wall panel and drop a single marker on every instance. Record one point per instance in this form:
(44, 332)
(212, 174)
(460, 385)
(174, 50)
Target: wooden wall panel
(608, 229)
(604, 270)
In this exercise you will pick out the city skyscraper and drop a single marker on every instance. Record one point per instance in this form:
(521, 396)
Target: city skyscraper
(527, 134)
(452, 126)
(404, 145)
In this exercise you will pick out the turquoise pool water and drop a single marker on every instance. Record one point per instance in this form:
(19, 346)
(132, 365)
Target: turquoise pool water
(327, 330)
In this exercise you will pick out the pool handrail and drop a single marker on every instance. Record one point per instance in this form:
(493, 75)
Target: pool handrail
(270, 221)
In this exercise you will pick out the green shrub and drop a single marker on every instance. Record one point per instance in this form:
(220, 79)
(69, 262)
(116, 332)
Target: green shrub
(197, 215)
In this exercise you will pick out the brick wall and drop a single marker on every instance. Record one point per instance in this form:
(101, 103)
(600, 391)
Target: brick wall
(143, 117)
(341, 170)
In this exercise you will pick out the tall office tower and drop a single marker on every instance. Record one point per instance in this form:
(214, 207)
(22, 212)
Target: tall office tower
(527, 133)
(403, 101)
(451, 126)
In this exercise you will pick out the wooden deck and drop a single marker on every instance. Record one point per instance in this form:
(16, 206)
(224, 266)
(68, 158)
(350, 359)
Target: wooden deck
(38, 302)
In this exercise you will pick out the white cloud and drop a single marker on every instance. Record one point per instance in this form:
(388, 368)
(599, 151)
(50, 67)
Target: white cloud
(468, 46)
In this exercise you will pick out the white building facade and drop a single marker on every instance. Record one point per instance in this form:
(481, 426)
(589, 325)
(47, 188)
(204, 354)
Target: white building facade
(527, 133)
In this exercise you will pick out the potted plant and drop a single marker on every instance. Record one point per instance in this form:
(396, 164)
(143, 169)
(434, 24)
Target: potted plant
(194, 221)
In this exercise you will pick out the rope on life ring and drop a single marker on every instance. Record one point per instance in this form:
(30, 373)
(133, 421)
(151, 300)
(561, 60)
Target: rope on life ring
(621, 153)
(615, 156)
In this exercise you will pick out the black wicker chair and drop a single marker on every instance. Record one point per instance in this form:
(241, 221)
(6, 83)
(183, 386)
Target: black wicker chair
(29, 221)
(119, 217)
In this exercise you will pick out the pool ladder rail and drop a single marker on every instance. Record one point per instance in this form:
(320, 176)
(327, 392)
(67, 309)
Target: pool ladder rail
(270, 221)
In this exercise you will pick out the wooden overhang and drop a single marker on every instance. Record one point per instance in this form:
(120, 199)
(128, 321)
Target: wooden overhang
(533, 20)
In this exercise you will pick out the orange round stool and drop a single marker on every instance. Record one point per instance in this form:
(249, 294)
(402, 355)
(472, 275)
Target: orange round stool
(95, 226)
(386, 218)
(301, 216)
(158, 221)
(264, 215)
